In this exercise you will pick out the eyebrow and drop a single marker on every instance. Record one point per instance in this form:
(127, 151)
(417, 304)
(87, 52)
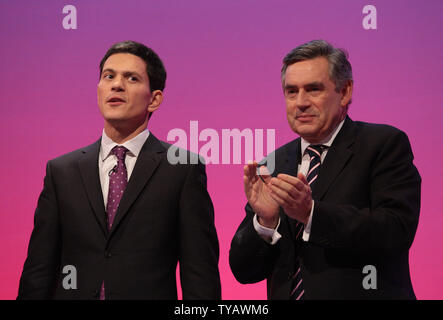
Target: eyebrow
(309, 85)
(125, 73)
(289, 86)
(315, 84)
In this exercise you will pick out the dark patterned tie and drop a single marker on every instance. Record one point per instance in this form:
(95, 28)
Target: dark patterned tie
(118, 179)
(314, 152)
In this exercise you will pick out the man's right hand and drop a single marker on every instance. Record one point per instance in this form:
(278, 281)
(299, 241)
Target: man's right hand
(258, 195)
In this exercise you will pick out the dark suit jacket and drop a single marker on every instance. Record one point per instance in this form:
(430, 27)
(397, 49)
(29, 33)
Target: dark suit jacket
(165, 216)
(367, 202)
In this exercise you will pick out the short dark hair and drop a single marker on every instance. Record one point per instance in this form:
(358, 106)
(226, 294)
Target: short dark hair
(340, 69)
(154, 66)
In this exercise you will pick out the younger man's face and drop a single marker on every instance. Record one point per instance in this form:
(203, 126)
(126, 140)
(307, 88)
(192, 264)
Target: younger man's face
(123, 92)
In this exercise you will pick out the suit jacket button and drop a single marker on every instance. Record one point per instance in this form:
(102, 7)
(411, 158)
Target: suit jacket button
(108, 254)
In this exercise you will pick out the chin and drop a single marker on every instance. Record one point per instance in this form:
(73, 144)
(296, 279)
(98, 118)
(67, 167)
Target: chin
(304, 129)
(114, 119)
(114, 114)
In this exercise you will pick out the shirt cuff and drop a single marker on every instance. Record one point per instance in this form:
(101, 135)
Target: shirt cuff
(269, 235)
(307, 229)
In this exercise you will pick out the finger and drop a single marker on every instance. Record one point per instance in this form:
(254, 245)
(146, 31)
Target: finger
(293, 190)
(281, 202)
(307, 187)
(294, 181)
(281, 184)
(282, 194)
(302, 178)
(248, 178)
(249, 169)
(291, 206)
(263, 173)
(246, 170)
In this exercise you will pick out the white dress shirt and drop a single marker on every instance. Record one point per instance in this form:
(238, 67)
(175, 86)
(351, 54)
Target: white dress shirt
(272, 235)
(107, 161)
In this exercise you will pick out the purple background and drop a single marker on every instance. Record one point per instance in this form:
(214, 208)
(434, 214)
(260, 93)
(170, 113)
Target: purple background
(223, 60)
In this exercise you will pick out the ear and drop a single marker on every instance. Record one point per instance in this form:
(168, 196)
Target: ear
(157, 98)
(346, 93)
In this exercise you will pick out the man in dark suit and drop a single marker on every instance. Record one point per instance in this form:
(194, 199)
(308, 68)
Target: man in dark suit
(337, 217)
(116, 217)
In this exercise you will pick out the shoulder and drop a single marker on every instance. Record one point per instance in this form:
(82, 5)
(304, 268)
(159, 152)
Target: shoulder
(380, 142)
(379, 133)
(176, 155)
(183, 165)
(377, 128)
(72, 157)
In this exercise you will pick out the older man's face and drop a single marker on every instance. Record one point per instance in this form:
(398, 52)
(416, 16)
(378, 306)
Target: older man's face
(313, 107)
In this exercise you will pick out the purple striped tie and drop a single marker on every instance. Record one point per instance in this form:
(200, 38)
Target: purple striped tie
(314, 152)
(118, 179)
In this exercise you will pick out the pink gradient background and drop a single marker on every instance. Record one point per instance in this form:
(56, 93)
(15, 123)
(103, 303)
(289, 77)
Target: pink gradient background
(223, 60)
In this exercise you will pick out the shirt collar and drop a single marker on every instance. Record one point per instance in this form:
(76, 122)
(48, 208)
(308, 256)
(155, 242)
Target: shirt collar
(134, 145)
(326, 142)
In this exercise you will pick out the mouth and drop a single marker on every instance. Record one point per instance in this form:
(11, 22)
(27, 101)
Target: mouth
(114, 101)
(304, 117)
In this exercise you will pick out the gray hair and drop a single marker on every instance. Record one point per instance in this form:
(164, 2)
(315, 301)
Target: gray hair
(340, 70)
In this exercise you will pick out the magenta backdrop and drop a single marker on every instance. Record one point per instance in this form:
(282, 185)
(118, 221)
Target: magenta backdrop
(223, 60)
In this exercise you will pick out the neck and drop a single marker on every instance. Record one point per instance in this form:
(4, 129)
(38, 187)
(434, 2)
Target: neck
(121, 133)
(325, 137)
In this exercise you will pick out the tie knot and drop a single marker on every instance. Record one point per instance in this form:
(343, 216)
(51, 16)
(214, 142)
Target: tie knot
(119, 152)
(315, 150)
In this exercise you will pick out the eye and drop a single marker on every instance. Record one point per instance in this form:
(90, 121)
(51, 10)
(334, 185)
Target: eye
(291, 92)
(108, 76)
(133, 79)
(315, 89)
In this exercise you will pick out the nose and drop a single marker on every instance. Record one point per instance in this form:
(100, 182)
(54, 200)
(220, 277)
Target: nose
(302, 101)
(117, 84)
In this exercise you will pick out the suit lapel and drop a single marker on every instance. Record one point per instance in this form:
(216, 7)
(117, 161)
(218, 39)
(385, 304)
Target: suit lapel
(336, 159)
(292, 159)
(88, 166)
(148, 160)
